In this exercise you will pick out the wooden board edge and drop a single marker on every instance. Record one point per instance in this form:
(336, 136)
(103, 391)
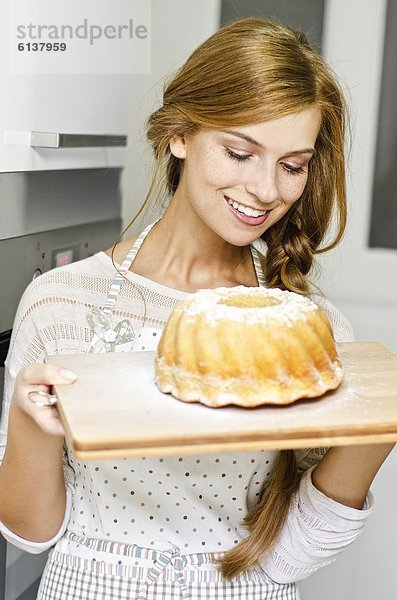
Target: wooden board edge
(282, 444)
(68, 434)
(256, 438)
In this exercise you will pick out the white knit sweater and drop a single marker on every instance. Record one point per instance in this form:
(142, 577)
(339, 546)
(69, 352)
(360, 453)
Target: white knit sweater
(195, 503)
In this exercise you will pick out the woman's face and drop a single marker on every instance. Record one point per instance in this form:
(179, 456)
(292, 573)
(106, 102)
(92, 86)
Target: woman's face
(240, 181)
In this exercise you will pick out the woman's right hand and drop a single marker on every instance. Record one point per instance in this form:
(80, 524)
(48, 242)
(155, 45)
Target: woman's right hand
(41, 377)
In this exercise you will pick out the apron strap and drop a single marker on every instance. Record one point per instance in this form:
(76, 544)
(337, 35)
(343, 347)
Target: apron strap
(258, 267)
(111, 300)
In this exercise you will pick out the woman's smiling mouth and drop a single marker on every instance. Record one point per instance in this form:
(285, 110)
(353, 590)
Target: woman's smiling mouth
(246, 214)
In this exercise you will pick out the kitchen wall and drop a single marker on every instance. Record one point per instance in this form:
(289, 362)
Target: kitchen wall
(358, 279)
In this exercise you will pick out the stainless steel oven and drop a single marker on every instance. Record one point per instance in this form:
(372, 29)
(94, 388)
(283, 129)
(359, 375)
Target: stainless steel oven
(48, 219)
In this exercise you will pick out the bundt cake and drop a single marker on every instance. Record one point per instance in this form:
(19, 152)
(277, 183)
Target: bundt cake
(246, 346)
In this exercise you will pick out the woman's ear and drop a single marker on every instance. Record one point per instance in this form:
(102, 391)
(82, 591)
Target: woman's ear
(178, 146)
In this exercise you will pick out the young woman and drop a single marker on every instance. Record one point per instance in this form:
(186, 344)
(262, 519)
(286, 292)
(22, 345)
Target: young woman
(249, 143)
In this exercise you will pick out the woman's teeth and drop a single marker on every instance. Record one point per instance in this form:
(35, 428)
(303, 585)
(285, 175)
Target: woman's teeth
(250, 212)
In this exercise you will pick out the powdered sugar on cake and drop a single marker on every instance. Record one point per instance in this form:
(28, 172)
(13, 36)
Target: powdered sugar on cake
(288, 307)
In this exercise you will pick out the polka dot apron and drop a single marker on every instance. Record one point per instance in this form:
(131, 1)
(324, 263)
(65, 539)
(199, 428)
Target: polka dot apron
(87, 568)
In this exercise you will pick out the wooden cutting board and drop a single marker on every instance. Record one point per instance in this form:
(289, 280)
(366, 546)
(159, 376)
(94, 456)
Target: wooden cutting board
(115, 410)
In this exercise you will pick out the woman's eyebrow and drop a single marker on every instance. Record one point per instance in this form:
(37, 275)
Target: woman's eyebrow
(251, 140)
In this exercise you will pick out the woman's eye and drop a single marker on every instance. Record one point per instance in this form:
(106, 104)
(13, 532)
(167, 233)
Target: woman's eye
(293, 170)
(235, 155)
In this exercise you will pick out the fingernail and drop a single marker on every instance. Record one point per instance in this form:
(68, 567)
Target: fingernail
(68, 375)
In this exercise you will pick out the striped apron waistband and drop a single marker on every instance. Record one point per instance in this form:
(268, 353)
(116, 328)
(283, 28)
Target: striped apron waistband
(112, 558)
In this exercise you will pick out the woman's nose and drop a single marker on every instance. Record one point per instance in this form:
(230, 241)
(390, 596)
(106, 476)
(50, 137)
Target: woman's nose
(263, 185)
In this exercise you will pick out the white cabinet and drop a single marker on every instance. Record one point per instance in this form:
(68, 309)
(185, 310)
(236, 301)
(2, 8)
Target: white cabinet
(74, 104)
(58, 103)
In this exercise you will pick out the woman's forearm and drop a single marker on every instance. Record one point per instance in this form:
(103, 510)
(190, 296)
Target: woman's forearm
(346, 472)
(32, 490)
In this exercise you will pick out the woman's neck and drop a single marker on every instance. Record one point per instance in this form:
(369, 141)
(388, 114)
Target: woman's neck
(183, 253)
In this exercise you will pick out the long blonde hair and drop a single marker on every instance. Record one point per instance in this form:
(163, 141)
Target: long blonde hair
(251, 71)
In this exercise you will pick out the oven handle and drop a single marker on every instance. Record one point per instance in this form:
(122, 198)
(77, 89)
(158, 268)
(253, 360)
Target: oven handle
(45, 139)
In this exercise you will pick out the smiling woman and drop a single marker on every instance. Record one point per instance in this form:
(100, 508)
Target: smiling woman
(258, 169)
(249, 149)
